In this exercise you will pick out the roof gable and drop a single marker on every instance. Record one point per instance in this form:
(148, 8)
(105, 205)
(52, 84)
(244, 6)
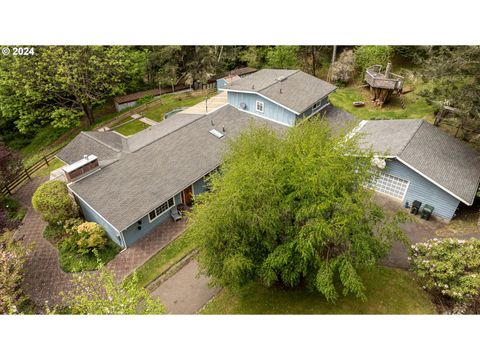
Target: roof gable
(447, 162)
(292, 89)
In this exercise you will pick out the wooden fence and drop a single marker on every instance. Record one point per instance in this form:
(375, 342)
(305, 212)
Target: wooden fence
(151, 104)
(26, 173)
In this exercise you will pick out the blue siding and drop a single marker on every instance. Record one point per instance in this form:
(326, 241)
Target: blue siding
(199, 186)
(423, 190)
(133, 233)
(309, 111)
(221, 83)
(91, 215)
(270, 110)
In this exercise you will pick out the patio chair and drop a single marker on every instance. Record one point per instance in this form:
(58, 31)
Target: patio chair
(176, 214)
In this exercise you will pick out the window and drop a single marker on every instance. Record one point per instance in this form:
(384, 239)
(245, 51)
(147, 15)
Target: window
(260, 106)
(316, 105)
(391, 185)
(152, 215)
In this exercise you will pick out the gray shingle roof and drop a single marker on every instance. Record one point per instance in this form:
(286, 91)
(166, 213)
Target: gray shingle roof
(297, 91)
(388, 136)
(430, 151)
(128, 189)
(86, 143)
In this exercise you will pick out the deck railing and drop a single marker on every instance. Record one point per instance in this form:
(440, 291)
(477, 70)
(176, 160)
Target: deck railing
(376, 78)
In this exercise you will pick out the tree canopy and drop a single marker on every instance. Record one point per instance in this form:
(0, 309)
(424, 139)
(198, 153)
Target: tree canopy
(60, 84)
(291, 209)
(456, 71)
(100, 294)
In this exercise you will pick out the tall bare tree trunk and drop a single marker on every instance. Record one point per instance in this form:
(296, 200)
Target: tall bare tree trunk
(334, 56)
(314, 61)
(87, 109)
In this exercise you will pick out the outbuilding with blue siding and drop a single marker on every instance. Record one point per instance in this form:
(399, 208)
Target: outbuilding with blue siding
(422, 163)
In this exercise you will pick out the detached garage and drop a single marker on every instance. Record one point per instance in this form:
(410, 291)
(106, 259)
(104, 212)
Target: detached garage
(422, 163)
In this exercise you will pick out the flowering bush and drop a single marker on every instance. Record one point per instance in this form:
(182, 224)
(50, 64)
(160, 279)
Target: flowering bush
(449, 267)
(12, 258)
(91, 236)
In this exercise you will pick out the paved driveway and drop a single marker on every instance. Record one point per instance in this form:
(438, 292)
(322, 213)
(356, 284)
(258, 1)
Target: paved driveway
(44, 279)
(185, 292)
(417, 230)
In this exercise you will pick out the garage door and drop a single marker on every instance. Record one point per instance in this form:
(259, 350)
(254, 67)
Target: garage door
(391, 185)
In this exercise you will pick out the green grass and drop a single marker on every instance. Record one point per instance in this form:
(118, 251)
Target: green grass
(416, 107)
(171, 102)
(389, 291)
(52, 165)
(132, 128)
(163, 260)
(73, 262)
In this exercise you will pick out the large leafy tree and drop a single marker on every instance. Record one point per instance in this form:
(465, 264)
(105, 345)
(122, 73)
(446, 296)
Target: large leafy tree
(455, 71)
(10, 163)
(100, 294)
(283, 57)
(292, 210)
(60, 84)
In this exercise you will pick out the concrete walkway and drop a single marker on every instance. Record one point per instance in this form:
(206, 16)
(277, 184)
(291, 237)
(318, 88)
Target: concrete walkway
(44, 279)
(148, 121)
(185, 292)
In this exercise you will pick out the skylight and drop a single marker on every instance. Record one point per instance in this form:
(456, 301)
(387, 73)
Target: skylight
(216, 133)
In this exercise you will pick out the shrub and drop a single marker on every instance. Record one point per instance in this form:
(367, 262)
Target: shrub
(344, 68)
(91, 236)
(12, 258)
(53, 233)
(54, 203)
(366, 56)
(449, 268)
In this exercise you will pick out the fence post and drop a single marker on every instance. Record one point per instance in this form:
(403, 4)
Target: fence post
(28, 175)
(46, 161)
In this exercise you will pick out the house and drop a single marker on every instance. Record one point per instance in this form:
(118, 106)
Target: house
(284, 96)
(234, 75)
(422, 163)
(130, 184)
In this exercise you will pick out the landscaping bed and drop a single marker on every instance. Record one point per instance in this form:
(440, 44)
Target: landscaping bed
(71, 261)
(389, 291)
(11, 213)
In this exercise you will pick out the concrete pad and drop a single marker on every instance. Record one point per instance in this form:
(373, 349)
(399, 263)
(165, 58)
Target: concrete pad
(184, 292)
(136, 116)
(213, 104)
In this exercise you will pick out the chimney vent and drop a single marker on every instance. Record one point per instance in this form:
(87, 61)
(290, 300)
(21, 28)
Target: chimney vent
(81, 167)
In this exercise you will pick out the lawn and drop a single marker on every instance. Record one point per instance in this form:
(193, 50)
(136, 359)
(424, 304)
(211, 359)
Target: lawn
(416, 107)
(169, 103)
(389, 291)
(52, 165)
(163, 260)
(132, 128)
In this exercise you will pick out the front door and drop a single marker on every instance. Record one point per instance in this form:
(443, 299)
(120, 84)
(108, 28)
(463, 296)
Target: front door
(187, 196)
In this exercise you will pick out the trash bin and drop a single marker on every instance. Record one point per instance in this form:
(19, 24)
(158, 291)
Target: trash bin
(415, 207)
(427, 212)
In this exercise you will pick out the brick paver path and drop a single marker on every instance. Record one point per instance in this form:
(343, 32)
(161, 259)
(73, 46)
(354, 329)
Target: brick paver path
(44, 279)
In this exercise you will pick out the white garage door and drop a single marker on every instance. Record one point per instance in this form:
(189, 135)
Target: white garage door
(391, 185)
